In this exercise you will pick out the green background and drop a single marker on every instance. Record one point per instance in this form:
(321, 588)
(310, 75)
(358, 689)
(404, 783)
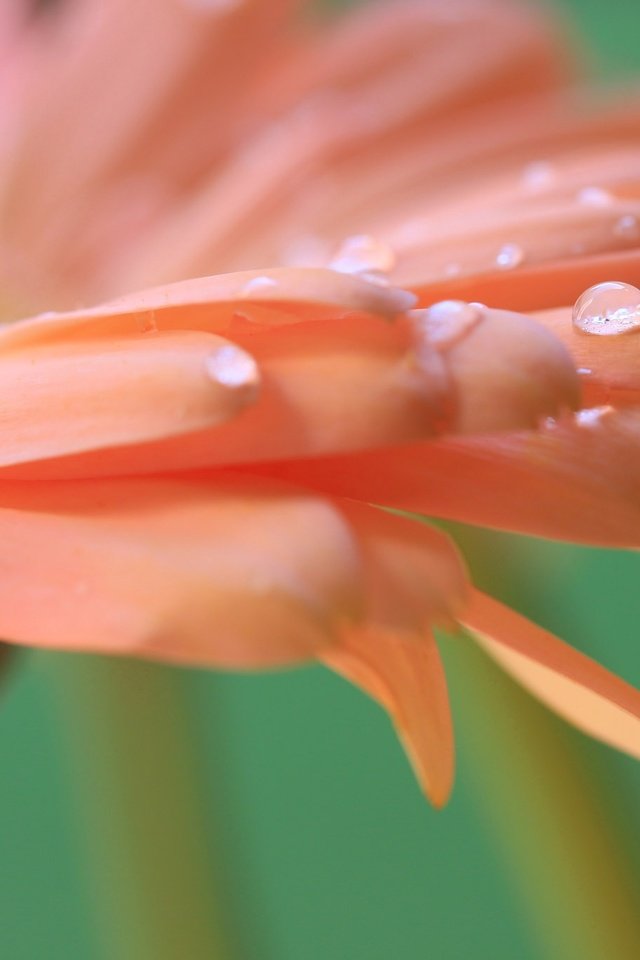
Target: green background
(321, 845)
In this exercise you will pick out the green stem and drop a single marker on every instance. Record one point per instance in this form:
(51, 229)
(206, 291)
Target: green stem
(133, 765)
(549, 814)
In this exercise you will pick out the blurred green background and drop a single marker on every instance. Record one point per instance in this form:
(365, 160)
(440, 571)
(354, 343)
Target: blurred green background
(320, 844)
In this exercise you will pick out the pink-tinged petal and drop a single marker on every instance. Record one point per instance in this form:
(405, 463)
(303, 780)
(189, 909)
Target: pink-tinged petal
(233, 573)
(407, 678)
(401, 71)
(577, 479)
(95, 394)
(567, 681)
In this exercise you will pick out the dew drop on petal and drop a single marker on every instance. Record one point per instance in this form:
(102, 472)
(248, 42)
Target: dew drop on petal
(594, 197)
(232, 367)
(593, 416)
(363, 254)
(607, 309)
(445, 322)
(538, 175)
(258, 285)
(627, 227)
(509, 256)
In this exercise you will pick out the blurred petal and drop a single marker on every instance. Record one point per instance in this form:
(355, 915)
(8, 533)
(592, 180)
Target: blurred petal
(407, 678)
(229, 574)
(576, 687)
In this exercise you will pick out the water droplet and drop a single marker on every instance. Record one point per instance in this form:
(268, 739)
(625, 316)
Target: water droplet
(452, 270)
(584, 371)
(232, 367)
(538, 175)
(592, 416)
(627, 227)
(594, 197)
(363, 254)
(607, 309)
(510, 256)
(258, 285)
(447, 321)
(149, 322)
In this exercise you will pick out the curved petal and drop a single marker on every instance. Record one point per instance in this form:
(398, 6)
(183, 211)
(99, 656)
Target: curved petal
(577, 479)
(407, 678)
(233, 574)
(576, 687)
(97, 394)
(215, 304)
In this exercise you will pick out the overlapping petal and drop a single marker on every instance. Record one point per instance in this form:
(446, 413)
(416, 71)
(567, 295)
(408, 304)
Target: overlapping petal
(572, 684)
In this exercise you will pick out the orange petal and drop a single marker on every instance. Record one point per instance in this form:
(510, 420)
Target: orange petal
(577, 479)
(232, 574)
(413, 574)
(407, 678)
(576, 687)
(95, 394)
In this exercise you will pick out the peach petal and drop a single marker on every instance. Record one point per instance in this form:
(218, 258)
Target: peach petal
(407, 678)
(270, 297)
(96, 394)
(567, 681)
(230, 574)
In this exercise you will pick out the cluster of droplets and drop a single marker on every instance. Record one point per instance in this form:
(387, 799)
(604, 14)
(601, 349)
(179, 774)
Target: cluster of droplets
(608, 309)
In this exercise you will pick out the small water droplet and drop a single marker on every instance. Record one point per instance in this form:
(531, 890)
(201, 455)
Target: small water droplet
(594, 197)
(149, 322)
(509, 256)
(445, 322)
(452, 270)
(627, 227)
(363, 254)
(538, 175)
(258, 285)
(592, 416)
(608, 309)
(584, 371)
(232, 367)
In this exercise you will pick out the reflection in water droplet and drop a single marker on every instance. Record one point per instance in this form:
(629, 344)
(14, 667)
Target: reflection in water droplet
(509, 256)
(445, 322)
(608, 309)
(538, 175)
(363, 254)
(627, 227)
(594, 197)
(584, 371)
(593, 416)
(258, 285)
(232, 367)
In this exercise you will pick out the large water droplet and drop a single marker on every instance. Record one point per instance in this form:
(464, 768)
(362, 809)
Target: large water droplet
(364, 255)
(608, 309)
(447, 321)
(510, 256)
(232, 367)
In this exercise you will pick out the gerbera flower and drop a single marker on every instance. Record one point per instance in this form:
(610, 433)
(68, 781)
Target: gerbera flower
(196, 472)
